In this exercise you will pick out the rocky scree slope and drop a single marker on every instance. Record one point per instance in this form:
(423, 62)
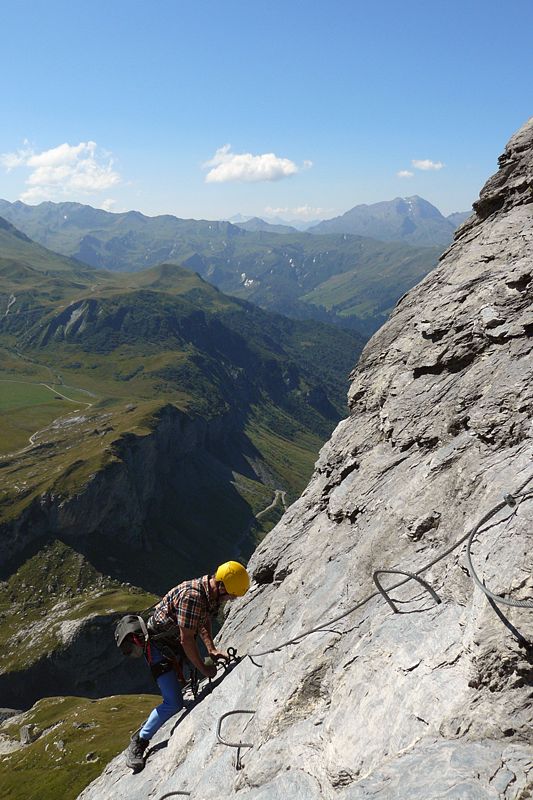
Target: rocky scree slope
(434, 701)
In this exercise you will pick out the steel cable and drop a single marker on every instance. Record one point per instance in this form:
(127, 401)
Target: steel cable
(468, 536)
(496, 597)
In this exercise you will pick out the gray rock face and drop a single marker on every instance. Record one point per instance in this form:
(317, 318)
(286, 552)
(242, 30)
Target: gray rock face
(28, 734)
(434, 701)
(6, 713)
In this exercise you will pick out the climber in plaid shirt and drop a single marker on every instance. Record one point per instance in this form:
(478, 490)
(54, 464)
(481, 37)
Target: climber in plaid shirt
(185, 611)
(190, 606)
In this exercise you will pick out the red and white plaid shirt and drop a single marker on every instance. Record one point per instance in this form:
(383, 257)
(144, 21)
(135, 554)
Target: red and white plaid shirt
(188, 605)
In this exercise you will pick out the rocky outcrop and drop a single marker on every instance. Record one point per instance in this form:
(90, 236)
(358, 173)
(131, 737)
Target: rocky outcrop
(434, 701)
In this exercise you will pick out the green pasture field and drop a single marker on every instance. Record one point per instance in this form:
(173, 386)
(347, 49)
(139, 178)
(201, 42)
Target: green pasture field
(26, 408)
(15, 366)
(21, 394)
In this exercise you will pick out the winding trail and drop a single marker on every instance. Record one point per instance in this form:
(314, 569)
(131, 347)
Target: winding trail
(42, 430)
(279, 493)
(34, 435)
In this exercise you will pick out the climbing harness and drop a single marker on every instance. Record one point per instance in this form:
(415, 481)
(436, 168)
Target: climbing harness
(238, 745)
(411, 575)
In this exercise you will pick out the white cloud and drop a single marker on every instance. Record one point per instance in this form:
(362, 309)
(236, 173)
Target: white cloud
(12, 160)
(404, 173)
(63, 171)
(108, 204)
(227, 166)
(300, 212)
(426, 164)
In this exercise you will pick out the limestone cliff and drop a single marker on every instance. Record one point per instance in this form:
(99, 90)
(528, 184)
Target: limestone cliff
(434, 701)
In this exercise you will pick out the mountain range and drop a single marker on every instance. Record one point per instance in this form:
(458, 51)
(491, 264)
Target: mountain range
(258, 224)
(296, 224)
(409, 219)
(402, 219)
(349, 280)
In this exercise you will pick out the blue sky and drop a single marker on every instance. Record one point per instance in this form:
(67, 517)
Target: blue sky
(208, 109)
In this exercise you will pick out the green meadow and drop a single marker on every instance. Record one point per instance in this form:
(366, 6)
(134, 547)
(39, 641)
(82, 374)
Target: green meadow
(77, 737)
(26, 408)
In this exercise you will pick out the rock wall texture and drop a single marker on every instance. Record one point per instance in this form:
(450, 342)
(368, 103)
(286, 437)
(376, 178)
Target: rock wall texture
(434, 701)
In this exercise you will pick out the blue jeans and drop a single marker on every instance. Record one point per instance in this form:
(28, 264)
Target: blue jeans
(172, 699)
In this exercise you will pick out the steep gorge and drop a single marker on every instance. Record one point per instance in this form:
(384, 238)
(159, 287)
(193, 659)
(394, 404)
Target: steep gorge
(170, 478)
(435, 701)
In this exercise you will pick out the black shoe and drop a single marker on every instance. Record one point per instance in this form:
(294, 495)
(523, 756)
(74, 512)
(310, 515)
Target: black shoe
(135, 753)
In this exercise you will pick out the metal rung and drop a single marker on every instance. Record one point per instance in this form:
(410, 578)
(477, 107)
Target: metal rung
(238, 745)
(412, 575)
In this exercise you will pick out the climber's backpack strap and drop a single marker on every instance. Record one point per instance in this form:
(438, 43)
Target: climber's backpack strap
(166, 638)
(161, 668)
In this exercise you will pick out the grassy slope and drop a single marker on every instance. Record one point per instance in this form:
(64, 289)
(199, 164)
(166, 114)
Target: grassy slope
(162, 362)
(25, 407)
(54, 586)
(78, 738)
(65, 456)
(372, 293)
(16, 247)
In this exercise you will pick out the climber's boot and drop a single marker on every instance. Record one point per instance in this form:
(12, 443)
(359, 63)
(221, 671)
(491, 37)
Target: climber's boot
(135, 752)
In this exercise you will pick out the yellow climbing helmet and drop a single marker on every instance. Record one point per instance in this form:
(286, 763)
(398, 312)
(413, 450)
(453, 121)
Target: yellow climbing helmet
(234, 577)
